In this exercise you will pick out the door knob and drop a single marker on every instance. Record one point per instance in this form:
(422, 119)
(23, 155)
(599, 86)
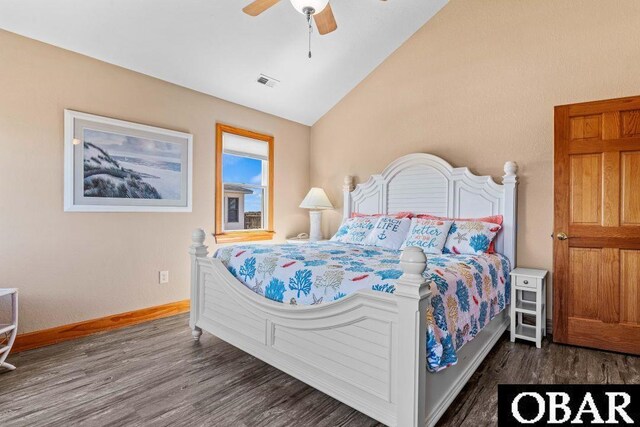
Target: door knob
(562, 236)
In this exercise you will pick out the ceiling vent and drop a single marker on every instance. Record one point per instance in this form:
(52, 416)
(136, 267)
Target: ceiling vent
(267, 81)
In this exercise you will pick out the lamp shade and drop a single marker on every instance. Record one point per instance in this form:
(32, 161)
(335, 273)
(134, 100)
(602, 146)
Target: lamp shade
(317, 5)
(316, 199)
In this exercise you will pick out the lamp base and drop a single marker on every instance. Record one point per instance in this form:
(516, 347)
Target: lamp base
(315, 229)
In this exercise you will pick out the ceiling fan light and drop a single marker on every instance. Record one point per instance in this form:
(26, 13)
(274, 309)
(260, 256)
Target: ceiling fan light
(317, 5)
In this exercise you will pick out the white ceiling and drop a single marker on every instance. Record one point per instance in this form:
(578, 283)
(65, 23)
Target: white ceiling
(211, 46)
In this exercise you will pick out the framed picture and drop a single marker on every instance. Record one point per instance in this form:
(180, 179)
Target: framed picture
(116, 166)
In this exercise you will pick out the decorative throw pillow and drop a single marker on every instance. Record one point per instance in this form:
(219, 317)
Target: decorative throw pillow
(470, 237)
(355, 230)
(398, 215)
(389, 232)
(428, 234)
(494, 219)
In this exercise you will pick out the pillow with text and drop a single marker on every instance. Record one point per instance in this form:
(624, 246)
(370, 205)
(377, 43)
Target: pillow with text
(389, 232)
(355, 230)
(428, 234)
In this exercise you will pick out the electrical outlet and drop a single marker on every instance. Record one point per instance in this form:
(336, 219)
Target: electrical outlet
(164, 277)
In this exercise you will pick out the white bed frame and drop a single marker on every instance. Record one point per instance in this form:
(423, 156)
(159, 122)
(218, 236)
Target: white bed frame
(368, 349)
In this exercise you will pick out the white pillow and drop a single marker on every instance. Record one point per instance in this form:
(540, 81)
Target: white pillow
(428, 234)
(389, 232)
(470, 237)
(355, 230)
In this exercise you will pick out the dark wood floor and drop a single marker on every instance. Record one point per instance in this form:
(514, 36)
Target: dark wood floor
(155, 375)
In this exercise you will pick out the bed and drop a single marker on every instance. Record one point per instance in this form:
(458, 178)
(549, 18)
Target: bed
(367, 347)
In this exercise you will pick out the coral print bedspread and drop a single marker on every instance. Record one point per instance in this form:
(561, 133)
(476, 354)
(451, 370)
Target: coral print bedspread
(467, 292)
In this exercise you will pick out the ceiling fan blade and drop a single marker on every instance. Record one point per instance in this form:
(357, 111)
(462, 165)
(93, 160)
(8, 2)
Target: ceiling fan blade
(259, 6)
(325, 21)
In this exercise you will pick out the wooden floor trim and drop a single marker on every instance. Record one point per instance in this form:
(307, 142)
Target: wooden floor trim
(62, 333)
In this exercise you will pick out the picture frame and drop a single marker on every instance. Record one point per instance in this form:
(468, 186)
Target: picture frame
(113, 165)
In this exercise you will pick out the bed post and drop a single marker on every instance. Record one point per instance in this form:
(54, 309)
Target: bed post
(347, 188)
(413, 294)
(196, 250)
(510, 182)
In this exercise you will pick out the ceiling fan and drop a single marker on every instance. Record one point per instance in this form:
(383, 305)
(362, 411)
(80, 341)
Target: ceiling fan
(319, 9)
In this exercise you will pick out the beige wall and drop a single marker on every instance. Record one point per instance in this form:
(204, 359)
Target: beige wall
(477, 86)
(76, 266)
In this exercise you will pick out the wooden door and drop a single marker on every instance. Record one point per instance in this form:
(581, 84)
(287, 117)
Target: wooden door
(597, 205)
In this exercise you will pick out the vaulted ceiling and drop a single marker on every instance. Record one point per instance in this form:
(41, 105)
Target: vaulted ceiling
(213, 47)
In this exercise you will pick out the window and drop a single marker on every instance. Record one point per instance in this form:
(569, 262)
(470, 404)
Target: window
(244, 185)
(232, 209)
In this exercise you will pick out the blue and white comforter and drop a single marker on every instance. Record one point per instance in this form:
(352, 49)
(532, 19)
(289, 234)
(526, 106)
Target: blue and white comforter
(467, 290)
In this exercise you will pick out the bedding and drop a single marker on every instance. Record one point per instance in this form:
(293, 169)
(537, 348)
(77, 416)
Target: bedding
(494, 219)
(428, 234)
(389, 232)
(470, 237)
(355, 230)
(468, 291)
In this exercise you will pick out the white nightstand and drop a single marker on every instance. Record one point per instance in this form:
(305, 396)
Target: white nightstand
(529, 283)
(296, 240)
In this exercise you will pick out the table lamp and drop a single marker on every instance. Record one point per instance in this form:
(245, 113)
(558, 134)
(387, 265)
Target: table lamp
(316, 200)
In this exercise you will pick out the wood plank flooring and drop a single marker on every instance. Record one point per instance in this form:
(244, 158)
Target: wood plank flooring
(154, 374)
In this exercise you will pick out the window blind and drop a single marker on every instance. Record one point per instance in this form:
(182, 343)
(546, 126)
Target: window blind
(242, 146)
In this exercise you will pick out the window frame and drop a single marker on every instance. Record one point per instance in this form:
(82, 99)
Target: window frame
(220, 234)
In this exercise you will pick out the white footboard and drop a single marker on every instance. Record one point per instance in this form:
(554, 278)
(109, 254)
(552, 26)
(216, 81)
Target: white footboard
(366, 350)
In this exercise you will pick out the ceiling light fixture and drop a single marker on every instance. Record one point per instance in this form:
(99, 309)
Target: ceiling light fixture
(319, 9)
(309, 8)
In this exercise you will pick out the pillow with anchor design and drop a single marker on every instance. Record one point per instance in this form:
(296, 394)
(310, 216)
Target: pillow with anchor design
(428, 234)
(389, 232)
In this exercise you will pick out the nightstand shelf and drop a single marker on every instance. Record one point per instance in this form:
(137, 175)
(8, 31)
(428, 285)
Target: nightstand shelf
(8, 331)
(528, 299)
(526, 307)
(526, 332)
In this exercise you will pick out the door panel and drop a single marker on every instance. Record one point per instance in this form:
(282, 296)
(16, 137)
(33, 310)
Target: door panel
(609, 286)
(611, 189)
(597, 204)
(631, 188)
(585, 188)
(585, 127)
(584, 264)
(630, 298)
(630, 123)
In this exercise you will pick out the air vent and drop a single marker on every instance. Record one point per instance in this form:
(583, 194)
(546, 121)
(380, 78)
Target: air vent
(267, 81)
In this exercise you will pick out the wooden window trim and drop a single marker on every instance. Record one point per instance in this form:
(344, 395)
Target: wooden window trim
(241, 236)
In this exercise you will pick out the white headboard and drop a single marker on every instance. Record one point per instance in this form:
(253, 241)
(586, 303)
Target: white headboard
(423, 183)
